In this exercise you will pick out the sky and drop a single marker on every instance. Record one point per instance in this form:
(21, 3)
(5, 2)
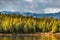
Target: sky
(38, 6)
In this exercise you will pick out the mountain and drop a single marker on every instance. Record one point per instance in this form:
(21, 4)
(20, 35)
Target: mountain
(9, 12)
(38, 15)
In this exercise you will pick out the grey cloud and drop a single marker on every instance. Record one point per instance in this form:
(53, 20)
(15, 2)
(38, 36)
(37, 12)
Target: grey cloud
(33, 6)
(40, 5)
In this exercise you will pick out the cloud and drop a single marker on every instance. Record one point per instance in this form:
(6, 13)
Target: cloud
(52, 2)
(41, 5)
(28, 0)
(43, 1)
(51, 10)
(30, 5)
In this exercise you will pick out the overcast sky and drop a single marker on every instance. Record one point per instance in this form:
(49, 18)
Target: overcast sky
(30, 5)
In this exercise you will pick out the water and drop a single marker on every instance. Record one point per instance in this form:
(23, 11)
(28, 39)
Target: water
(41, 37)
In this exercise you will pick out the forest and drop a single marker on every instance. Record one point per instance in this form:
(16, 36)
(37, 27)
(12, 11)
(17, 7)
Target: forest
(12, 23)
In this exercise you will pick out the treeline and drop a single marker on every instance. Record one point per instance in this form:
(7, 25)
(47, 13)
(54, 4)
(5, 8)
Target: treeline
(12, 23)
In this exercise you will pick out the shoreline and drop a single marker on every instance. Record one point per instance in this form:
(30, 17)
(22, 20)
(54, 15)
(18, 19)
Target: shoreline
(35, 34)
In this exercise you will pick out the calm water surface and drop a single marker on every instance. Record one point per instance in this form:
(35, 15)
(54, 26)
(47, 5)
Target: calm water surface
(42, 37)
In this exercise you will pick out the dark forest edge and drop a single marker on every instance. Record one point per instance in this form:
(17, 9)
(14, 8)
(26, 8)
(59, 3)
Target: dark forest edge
(12, 23)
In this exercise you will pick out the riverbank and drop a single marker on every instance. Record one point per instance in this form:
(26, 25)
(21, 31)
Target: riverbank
(36, 34)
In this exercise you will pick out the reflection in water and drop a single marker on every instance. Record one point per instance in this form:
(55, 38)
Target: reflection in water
(41, 37)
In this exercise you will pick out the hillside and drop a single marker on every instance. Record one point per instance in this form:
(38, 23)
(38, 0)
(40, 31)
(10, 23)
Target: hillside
(38, 15)
(12, 23)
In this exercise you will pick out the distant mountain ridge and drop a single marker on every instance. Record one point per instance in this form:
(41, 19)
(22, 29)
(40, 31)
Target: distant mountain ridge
(38, 15)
